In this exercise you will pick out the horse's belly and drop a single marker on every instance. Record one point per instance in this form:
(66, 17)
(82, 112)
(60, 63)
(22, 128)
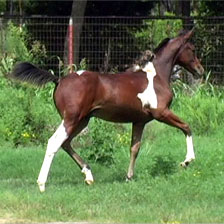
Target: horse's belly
(121, 115)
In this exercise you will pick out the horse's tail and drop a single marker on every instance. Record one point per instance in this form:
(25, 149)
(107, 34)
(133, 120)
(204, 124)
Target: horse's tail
(27, 72)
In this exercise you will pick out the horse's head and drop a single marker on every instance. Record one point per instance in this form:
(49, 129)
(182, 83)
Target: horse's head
(177, 51)
(186, 56)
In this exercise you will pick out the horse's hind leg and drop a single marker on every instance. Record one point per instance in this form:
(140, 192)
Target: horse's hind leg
(53, 146)
(83, 166)
(67, 147)
(137, 130)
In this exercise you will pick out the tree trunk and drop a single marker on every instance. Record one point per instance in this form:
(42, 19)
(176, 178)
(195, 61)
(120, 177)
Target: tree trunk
(186, 12)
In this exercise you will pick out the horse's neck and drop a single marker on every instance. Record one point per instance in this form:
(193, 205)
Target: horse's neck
(164, 69)
(164, 64)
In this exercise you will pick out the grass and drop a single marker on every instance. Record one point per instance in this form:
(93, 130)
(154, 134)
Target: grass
(161, 192)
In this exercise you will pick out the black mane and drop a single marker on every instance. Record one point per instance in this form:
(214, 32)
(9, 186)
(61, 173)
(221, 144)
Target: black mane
(161, 45)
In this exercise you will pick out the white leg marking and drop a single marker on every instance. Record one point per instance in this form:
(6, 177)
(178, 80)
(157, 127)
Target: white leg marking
(190, 156)
(89, 177)
(53, 146)
(80, 72)
(148, 97)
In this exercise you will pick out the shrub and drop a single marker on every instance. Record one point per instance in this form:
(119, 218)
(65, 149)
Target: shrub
(12, 115)
(24, 112)
(102, 139)
(18, 45)
(202, 107)
(155, 31)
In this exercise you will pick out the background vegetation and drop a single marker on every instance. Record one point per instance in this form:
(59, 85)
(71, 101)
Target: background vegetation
(161, 192)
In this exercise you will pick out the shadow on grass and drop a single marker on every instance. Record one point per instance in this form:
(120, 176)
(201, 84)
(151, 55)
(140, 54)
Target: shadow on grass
(163, 166)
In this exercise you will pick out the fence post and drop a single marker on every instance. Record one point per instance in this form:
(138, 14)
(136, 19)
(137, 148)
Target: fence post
(70, 45)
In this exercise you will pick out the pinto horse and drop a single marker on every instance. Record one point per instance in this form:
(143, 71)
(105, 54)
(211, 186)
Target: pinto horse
(135, 97)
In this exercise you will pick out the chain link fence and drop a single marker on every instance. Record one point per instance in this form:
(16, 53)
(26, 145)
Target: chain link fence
(110, 44)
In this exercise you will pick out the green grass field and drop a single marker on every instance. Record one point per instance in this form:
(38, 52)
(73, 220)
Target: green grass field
(161, 192)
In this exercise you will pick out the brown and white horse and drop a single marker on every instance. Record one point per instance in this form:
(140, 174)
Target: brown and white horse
(135, 97)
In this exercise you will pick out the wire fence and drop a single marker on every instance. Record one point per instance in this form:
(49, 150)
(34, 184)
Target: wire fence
(112, 43)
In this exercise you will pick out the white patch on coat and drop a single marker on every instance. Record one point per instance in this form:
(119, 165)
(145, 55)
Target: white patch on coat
(54, 143)
(136, 68)
(148, 97)
(190, 150)
(80, 72)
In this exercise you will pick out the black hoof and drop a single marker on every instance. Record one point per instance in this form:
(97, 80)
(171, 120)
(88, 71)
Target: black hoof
(184, 164)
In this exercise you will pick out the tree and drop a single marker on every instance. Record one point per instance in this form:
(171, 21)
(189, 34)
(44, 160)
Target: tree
(78, 12)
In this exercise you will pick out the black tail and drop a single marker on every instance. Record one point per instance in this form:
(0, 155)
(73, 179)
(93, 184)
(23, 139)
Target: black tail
(27, 72)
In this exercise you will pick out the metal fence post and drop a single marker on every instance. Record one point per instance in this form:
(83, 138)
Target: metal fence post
(70, 45)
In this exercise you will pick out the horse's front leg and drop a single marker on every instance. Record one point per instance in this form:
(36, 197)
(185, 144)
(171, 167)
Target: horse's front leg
(170, 118)
(137, 130)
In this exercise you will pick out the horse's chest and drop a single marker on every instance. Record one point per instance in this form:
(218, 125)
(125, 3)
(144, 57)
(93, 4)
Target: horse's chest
(149, 97)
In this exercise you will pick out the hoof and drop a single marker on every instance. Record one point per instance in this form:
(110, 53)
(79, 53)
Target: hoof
(184, 164)
(41, 187)
(88, 174)
(128, 179)
(89, 182)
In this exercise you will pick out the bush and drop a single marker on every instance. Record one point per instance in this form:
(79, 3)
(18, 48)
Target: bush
(102, 139)
(43, 114)
(202, 107)
(18, 45)
(26, 114)
(155, 31)
(12, 115)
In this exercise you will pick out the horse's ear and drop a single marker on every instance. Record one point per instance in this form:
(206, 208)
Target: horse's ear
(189, 34)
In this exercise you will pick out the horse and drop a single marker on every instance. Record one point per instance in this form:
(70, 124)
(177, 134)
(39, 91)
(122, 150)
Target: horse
(128, 97)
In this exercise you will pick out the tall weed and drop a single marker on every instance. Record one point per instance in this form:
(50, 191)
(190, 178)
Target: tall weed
(19, 45)
(202, 106)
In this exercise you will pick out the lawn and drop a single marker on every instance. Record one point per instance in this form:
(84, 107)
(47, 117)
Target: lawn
(161, 192)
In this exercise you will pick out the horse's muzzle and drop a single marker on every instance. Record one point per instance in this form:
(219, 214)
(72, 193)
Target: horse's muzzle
(199, 70)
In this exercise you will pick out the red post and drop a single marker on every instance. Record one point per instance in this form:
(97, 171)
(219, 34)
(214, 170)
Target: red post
(70, 45)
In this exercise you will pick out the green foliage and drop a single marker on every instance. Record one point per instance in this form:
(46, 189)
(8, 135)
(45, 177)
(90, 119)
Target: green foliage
(155, 31)
(208, 8)
(202, 106)
(12, 115)
(163, 166)
(64, 69)
(17, 43)
(209, 46)
(26, 115)
(23, 111)
(6, 65)
(102, 140)
(2, 6)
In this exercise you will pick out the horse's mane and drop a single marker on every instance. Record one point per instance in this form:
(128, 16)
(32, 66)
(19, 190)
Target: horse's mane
(161, 45)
